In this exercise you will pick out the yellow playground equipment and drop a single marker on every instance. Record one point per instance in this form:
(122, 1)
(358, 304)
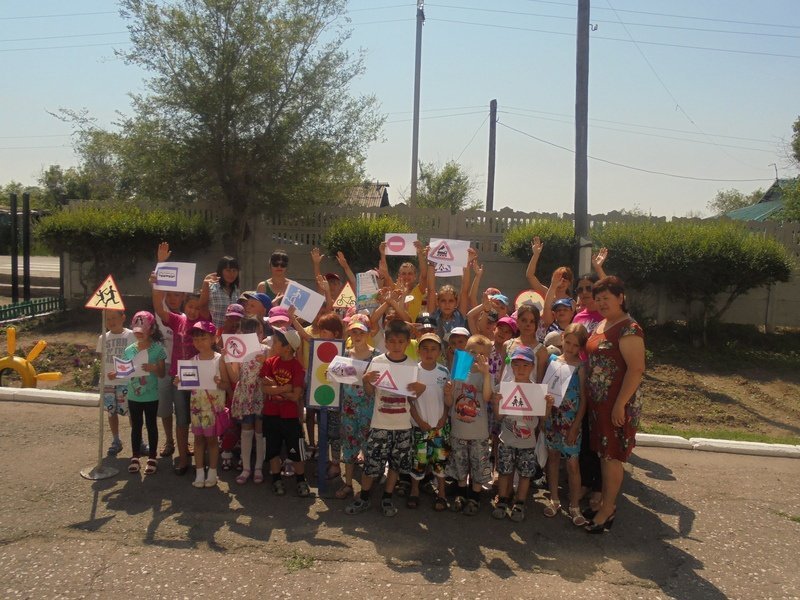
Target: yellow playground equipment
(23, 367)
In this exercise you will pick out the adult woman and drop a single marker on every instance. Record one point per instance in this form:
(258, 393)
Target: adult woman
(616, 365)
(221, 289)
(277, 283)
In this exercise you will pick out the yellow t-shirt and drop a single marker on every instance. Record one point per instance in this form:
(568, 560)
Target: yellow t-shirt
(415, 306)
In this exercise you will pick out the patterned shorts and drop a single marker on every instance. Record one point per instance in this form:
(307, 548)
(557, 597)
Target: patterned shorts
(470, 458)
(115, 399)
(430, 449)
(384, 445)
(523, 460)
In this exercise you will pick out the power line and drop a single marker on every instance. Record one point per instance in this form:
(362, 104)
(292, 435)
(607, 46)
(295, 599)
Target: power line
(59, 37)
(630, 167)
(33, 147)
(472, 139)
(408, 112)
(65, 47)
(478, 112)
(27, 137)
(58, 16)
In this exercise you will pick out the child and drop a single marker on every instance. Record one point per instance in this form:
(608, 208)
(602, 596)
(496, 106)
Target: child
(451, 307)
(207, 406)
(247, 404)
(528, 323)
(282, 380)
(389, 437)
(256, 304)
(456, 339)
(407, 278)
(143, 391)
(356, 404)
(516, 451)
(429, 414)
(469, 461)
(115, 394)
(563, 427)
(220, 289)
(166, 406)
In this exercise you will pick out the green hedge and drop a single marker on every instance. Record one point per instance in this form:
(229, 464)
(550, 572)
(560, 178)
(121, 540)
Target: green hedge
(359, 239)
(112, 236)
(557, 236)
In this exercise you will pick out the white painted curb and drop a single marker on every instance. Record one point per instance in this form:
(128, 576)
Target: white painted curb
(663, 441)
(754, 448)
(49, 397)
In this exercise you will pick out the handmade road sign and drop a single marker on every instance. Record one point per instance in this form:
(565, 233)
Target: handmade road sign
(106, 296)
(522, 399)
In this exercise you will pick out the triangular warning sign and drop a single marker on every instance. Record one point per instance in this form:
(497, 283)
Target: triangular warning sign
(442, 251)
(386, 382)
(106, 296)
(517, 401)
(346, 298)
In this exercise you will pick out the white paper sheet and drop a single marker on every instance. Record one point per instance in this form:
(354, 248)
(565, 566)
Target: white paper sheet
(400, 244)
(175, 277)
(306, 301)
(197, 375)
(395, 378)
(240, 346)
(451, 252)
(522, 399)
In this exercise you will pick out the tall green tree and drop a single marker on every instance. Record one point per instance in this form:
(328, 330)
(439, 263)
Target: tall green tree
(728, 200)
(796, 142)
(248, 104)
(447, 187)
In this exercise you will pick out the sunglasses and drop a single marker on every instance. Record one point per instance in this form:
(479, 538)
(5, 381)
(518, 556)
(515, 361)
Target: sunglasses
(280, 263)
(583, 288)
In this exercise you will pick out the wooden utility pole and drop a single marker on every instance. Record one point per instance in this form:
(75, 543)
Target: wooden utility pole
(492, 147)
(417, 68)
(582, 139)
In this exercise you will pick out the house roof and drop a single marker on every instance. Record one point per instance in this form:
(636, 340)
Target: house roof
(370, 194)
(756, 212)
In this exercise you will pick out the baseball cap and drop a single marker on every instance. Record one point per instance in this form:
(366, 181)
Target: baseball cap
(278, 314)
(432, 337)
(456, 331)
(142, 322)
(357, 324)
(206, 326)
(510, 321)
(501, 298)
(260, 296)
(289, 337)
(563, 302)
(235, 310)
(523, 353)
(330, 276)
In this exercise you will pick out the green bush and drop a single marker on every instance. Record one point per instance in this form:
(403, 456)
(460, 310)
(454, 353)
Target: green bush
(358, 239)
(110, 237)
(558, 237)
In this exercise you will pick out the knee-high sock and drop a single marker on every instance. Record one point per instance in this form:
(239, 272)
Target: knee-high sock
(261, 451)
(247, 448)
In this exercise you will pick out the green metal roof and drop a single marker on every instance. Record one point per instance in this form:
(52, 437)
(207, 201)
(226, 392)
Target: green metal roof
(756, 212)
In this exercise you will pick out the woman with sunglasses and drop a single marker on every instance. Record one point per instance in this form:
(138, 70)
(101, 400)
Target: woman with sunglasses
(277, 283)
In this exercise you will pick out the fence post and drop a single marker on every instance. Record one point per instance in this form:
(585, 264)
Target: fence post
(14, 252)
(26, 246)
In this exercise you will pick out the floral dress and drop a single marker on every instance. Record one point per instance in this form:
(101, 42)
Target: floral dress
(248, 399)
(557, 426)
(356, 414)
(607, 369)
(206, 405)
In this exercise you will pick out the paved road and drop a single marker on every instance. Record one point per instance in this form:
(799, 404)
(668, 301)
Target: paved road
(41, 266)
(690, 525)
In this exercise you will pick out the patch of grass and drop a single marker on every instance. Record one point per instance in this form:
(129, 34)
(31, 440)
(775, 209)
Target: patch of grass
(719, 434)
(794, 518)
(298, 561)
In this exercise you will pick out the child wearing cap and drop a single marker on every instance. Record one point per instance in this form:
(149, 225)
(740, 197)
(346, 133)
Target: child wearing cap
(143, 389)
(431, 425)
(517, 443)
(256, 304)
(456, 339)
(282, 382)
(469, 461)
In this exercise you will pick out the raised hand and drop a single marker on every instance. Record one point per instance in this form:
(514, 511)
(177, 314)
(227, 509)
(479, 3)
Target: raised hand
(316, 256)
(536, 246)
(599, 258)
(163, 252)
(341, 259)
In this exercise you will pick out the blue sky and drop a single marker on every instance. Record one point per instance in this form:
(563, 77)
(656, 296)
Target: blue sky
(667, 103)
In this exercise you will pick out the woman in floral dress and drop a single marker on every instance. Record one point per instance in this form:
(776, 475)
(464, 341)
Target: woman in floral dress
(616, 365)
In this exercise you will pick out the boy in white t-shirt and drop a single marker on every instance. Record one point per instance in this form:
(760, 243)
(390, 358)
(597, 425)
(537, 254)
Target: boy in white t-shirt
(430, 415)
(389, 439)
(115, 397)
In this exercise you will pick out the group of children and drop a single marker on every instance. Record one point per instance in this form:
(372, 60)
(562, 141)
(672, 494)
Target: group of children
(440, 429)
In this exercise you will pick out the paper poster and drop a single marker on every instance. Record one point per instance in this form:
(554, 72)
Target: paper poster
(395, 378)
(400, 244)
(557, 378)
(451, 252)
(106, 296)
(522, 399)
(367, 291)
(175, 277)
(123, 369)
(447, 270)
(306, 301)
(321, 391)
(344, 369)
(240, 346)
(197, 375)
(346, 298)
(462, 365)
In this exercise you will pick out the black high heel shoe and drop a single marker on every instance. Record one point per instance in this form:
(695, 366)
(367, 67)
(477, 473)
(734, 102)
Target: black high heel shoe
(593, 527)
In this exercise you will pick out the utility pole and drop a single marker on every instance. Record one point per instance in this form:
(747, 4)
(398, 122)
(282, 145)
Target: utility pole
(417, 68)
(492, 147)
(582, 139)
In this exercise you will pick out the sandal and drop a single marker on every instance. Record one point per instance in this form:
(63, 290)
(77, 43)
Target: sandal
(258, 476)
(402, 488)
(344, 491)
(168, 449)
(388, 508)
(500, 510)
(458, 503)
(357, 506)
(472, 507)
(552, 508)
(303, 491)
(152, 466)
(227, 463)
(517, 512)
(279, 488)
(243, 477)
(412, 502)
(134, 466)
(440, 504)
(577, 518)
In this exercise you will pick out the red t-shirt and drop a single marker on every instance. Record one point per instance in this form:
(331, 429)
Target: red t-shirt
(283, 372)
(182, 346)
